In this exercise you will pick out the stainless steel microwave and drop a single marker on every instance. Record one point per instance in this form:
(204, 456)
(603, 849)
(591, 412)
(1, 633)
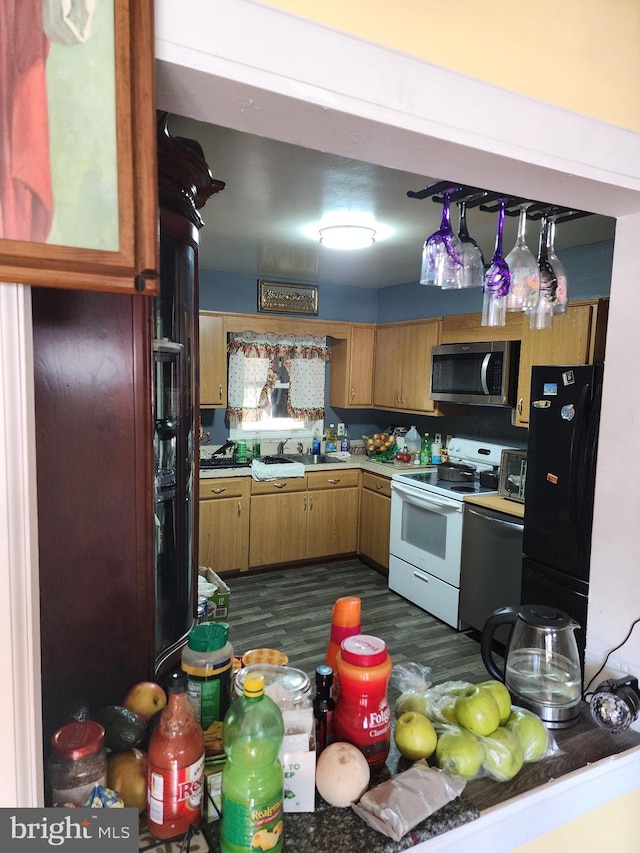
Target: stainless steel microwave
(480, 374)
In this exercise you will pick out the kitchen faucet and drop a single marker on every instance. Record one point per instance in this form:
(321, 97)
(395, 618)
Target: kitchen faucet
(281, 445)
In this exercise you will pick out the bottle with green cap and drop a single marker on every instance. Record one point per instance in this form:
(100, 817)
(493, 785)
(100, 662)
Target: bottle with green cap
(208, 661)
(252, 778)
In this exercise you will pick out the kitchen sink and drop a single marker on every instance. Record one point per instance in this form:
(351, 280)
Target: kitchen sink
(309, 458)
(277, 460)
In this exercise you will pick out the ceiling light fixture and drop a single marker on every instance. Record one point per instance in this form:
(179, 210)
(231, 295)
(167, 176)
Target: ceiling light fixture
(347, 236)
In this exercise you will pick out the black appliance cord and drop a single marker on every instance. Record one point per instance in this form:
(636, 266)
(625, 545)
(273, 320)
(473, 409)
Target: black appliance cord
(611, 651)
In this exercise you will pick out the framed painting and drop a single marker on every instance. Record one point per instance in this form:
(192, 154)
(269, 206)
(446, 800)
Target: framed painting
(275, 297)
(78, 179)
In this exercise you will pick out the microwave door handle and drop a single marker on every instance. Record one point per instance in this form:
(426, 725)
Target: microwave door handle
(483, 372)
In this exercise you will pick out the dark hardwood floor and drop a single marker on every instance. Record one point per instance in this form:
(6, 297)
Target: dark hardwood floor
(290, 610)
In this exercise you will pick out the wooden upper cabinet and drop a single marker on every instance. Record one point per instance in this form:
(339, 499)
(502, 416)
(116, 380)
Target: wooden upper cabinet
(107, 239)
(351, 371)
(575, 338)
(402, 364)
(213, 362)
(468, 328)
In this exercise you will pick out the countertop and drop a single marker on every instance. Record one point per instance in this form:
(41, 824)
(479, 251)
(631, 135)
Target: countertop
(384, 469)
(497, 503)
(333, 830)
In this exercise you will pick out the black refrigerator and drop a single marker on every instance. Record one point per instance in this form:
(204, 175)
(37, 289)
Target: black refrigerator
(561, 459)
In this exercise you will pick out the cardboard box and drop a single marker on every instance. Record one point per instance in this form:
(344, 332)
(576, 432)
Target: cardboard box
(218, 607)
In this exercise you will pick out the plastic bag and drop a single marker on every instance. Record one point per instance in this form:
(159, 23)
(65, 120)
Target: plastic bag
(437, 703)
(500, 755)
(397, 805)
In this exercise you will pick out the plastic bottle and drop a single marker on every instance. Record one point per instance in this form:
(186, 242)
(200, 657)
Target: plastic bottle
(425, 450)
(345, 443)
(332, 438)
(315, 445)
(345, 622)
(252, 778)
(362, 716)
(412, 441)
(175, 781)
(436, 453)
(323, 707)
(207, 660)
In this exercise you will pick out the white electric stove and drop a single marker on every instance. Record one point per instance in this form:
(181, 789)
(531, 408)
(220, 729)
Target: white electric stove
(426, 527)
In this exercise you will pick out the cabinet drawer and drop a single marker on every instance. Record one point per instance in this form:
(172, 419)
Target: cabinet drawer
(274, 487)
(224, 487)
(376, 483)
(333, 479)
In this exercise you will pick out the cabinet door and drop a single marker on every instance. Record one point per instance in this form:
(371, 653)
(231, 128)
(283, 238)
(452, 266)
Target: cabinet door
(213, 362)
(567, 342)
(224, 534)
(417, 341)
(351, 372)
(278, 528)
(375, 523)
(332, 523)
(387, 367)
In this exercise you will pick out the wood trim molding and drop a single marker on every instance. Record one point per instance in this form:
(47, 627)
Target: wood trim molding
(21, 782)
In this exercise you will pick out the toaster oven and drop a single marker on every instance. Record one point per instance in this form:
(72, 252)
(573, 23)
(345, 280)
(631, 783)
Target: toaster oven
(513, 475)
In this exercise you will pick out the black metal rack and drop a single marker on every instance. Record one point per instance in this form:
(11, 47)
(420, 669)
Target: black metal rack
(489, 201)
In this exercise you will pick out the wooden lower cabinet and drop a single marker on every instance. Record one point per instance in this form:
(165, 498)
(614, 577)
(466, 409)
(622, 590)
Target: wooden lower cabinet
(332, 513)
(303, 519)
(224, 524)
(375, 518)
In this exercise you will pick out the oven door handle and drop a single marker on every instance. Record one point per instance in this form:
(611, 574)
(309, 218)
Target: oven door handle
(423, 499)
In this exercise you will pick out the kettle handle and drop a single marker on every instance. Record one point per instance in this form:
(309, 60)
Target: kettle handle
(503, 616)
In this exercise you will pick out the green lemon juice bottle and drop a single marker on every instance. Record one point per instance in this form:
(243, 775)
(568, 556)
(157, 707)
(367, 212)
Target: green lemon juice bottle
(252, 780)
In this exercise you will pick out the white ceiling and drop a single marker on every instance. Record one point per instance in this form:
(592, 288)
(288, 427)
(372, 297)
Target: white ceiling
(274, 190)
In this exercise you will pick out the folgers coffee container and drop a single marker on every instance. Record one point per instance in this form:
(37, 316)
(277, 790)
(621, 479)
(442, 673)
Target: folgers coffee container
(362, 716)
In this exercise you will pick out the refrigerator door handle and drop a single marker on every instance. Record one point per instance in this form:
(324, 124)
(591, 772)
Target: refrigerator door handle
(576, 453)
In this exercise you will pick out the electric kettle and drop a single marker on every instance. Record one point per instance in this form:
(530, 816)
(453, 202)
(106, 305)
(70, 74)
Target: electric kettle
(542, 670)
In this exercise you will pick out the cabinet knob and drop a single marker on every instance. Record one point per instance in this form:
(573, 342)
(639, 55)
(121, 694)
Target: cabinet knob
(378, 485)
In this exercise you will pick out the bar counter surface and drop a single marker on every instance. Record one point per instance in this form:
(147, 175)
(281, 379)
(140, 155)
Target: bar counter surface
(333, 830)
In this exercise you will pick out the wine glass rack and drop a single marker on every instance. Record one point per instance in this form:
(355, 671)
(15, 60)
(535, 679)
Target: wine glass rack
(489, 201)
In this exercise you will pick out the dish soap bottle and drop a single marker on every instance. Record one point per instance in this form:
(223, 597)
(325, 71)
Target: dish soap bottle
(345, 444)
(425, 450)
(252, 778)
(315, 444)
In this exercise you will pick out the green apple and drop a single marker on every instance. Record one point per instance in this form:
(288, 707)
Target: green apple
(459, 752)
(411, 701)
(503, 757)
(530, 731)
(414, 736)
(448, 711)
(477, 710)
(502, 697)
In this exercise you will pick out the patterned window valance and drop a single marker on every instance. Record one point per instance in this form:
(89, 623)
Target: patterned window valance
(252, 374)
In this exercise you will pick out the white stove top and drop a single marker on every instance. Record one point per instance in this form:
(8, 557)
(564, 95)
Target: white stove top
(478, 454)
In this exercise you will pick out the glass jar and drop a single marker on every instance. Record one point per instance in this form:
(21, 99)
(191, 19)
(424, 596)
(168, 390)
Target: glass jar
(290, 689)
(78, 762)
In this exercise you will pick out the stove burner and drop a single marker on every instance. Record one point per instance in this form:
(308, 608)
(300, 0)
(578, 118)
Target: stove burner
(467, 488)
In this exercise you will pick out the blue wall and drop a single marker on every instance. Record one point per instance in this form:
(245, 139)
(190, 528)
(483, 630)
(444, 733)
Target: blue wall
(589, 275)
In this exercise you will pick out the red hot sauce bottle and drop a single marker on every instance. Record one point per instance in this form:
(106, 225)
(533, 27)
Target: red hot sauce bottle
(175, 782)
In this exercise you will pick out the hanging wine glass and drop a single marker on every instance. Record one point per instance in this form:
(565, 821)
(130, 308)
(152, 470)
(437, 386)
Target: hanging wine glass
(525, 276)
(542, 317)
(562, 291)
(442, 263)
(472, 259)
(496, 281)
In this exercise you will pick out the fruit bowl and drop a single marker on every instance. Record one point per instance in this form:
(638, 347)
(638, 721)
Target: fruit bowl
(381, 446)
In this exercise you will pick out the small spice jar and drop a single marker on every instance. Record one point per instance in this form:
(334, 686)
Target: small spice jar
(78, 762)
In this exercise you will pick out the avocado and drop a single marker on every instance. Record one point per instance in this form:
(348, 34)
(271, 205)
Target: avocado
(122, 728)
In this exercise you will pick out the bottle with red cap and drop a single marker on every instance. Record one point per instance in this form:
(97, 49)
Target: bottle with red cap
(362, 716)
(175, 787)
